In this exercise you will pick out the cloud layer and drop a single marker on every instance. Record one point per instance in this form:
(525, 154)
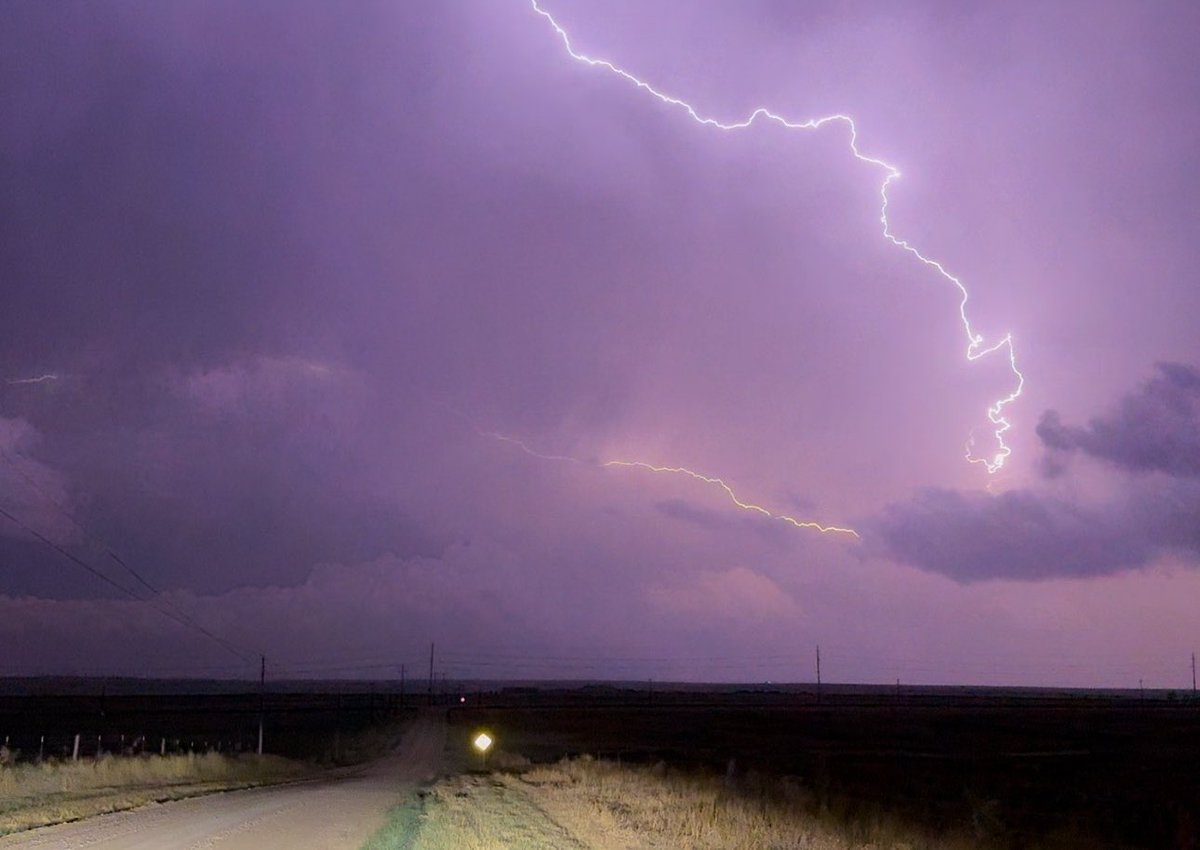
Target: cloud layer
(1154, 429)
(289, 269)
(1152, 439)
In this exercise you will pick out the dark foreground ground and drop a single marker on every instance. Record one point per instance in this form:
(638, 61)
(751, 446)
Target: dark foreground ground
(1018, 769)
(1015, 772)
(127, 719)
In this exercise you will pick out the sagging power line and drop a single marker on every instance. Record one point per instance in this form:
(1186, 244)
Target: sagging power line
(175, 613)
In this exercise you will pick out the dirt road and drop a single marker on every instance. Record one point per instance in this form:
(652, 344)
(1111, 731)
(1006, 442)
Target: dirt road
(337, 814)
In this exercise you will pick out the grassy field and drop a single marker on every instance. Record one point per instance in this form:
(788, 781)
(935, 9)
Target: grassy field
(610, 805)
(1094, 777)
(55, 791)
(584, 804)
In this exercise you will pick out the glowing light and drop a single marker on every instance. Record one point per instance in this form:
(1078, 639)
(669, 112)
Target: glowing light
(677, 470)
(976, 347)
(483, 742)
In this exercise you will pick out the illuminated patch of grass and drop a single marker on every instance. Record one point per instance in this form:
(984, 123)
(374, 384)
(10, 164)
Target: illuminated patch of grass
(401, 829)
(608, 805)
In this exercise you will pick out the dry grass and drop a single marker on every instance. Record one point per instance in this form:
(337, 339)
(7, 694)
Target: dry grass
(56, 777)
(478, 813)
(54, 791)
(609, 806)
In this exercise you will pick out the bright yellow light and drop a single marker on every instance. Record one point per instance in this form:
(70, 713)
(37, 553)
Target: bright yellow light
(483, 742)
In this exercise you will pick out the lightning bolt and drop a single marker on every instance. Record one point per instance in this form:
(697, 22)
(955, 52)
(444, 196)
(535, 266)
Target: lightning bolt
(676, 470)
(977, 346)
(733, 497)
(40, 379)
(525, 448)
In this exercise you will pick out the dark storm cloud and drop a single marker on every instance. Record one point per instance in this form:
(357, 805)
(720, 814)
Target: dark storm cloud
(1153, 429)
(175, 242)
(268, 246)
(1039, 533)
(683, 511)
(1016, 535)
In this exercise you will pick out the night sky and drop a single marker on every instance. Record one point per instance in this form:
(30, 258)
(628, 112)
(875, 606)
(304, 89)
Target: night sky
(325, 319)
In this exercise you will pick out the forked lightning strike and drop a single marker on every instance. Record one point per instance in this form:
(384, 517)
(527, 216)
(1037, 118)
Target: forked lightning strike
(676, 470)
(976, 347)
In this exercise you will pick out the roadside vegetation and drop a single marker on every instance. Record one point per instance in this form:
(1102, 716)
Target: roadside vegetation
(586, 804)
(53, 791)
(610, 805)
(589, 804)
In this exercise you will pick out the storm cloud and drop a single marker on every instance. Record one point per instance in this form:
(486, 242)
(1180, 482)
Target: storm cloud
(1044, 532)
(1032, 534)
(1155, 428)
(292, 266)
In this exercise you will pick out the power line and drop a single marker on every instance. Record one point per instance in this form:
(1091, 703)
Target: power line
(74, 521)
(182, 615)
(104, 578)
(179, 617)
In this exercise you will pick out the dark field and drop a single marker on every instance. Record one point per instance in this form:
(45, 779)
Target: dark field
(310, 724)
(1012, 771)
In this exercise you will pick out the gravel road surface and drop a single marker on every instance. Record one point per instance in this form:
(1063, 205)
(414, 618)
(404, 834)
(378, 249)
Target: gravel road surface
(333, 814)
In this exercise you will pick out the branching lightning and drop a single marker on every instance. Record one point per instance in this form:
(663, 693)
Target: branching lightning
(977, 346)
(676, 470)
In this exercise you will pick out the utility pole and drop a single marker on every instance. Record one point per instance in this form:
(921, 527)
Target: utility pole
(818, 674)
(1193, 675)
(337, 727)
(262, 699)
(402, 686)
(431, 674)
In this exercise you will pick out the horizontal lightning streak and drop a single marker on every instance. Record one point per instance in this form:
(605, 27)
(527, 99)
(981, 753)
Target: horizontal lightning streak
(746, 506)
(523, 447)
(976, 347)
(40, 379)
(675, 470)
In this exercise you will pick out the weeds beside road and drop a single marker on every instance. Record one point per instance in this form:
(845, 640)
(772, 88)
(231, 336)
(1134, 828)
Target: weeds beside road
(333, 809)
(34, 795)
(585, 804)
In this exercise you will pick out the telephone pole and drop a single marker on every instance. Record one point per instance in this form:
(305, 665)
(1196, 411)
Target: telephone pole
(818, 674)
(402, 686)
(262, 699)
(431, 673)
(1193, 675)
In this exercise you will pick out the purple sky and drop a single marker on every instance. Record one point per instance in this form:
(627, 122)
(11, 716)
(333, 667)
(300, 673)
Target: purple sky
(288, 266)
